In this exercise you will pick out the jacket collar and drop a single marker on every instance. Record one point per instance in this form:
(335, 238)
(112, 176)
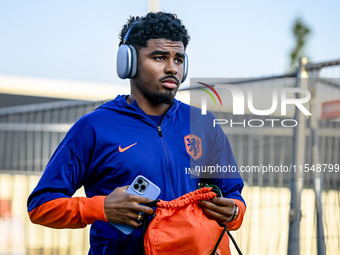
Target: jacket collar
(120, 104)
(121, 99)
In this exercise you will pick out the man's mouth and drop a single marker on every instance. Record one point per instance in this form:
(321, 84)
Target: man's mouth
(170, 83)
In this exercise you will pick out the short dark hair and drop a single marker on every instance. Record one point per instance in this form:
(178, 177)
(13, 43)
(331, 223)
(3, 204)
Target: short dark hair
(153, 26)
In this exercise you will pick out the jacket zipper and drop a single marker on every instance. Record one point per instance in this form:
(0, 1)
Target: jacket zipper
(159, 131)
(168, 168)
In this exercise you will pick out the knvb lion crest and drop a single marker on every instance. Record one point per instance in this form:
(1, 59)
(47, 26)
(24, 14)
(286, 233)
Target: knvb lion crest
(193, 144)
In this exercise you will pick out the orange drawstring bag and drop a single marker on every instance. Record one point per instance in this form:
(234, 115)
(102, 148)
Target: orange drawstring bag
(180, 227)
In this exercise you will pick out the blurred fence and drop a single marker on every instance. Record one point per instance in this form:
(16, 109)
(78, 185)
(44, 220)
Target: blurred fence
(30, 134)
(265, 229)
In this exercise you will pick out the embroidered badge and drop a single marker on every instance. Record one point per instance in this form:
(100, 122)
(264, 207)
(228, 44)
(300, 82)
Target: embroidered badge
(193, 144)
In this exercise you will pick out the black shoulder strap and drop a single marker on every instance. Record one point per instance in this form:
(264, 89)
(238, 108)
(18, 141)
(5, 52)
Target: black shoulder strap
(234, 242)
(220, 239)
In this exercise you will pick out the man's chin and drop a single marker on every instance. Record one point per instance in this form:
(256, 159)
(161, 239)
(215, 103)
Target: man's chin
(163, 98)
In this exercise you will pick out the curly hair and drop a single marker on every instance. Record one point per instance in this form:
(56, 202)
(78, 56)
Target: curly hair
(153, 26)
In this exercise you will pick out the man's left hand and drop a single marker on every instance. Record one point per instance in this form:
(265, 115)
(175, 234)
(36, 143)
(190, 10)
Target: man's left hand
(220, 209)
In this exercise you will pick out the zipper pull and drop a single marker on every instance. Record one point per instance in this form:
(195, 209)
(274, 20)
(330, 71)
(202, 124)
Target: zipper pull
(159, 130)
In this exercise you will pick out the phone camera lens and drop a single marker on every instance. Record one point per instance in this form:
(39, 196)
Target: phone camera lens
(136, 186)
(143, 187)
(140, 181)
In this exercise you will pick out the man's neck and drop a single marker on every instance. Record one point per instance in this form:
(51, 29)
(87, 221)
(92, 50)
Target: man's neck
(148, 107)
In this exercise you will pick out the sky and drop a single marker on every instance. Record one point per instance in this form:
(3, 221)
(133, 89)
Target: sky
(78, 40)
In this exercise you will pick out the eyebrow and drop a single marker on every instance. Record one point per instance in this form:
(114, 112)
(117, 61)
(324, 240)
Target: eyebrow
(160, 52)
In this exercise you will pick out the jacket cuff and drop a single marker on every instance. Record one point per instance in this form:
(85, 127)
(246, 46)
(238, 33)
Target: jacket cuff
(92, 209)
(236, 224)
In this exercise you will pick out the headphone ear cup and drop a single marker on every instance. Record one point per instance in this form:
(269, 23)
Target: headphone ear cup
(185, 67)
(126, 61)
(134, 62)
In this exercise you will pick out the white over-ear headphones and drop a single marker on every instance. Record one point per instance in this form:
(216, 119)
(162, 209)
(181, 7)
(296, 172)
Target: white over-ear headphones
(127, 60)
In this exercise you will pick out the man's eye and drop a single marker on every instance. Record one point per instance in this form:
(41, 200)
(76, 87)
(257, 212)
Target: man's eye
(179, 61)
(159, 58)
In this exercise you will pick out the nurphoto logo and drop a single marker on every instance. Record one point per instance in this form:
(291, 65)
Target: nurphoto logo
(243, 103)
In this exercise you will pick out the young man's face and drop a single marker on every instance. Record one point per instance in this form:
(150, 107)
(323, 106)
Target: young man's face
(160, 70)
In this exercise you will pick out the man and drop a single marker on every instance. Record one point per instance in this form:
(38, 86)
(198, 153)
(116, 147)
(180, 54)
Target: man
(145, 133)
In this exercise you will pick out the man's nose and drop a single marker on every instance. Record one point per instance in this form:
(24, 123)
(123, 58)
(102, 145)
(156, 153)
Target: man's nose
(171, 67)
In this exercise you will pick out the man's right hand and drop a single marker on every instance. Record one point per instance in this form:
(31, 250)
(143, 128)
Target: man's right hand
(123, 208)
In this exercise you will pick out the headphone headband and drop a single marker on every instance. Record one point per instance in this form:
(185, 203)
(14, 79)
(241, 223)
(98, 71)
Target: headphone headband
(128, 32)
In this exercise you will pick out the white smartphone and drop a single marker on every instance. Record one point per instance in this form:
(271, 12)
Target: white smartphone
(140, 186)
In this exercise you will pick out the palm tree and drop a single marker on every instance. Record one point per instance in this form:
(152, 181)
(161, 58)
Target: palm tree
(301, 33)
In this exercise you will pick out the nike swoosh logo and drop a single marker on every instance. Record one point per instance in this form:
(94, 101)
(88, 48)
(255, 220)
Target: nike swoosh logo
(126, 148)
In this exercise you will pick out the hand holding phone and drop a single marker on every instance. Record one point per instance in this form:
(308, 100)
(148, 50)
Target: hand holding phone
(126, 208)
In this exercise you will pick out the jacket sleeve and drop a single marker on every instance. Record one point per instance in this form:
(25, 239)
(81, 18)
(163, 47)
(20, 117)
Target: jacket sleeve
(75, 212)
(236, 224)
(51, 203)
